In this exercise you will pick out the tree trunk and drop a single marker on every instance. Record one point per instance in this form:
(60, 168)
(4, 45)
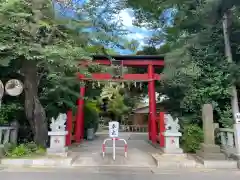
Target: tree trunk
(34, 111)
(228, 54)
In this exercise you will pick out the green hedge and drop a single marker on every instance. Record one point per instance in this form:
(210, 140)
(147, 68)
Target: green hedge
(91, 119)
(192, 138)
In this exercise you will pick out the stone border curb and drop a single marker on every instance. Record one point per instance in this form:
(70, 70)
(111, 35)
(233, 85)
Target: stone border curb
(41, 162)
(68, 162)
(114, 165)
(217, 164)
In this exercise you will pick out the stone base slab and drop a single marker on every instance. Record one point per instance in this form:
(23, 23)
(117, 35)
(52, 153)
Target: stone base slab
(57, 152)
(235, 156)
(170, 161)
(210, 148)
(218, 164)
(210, 152)
(40, 162)
(211, 156)
(172, 151)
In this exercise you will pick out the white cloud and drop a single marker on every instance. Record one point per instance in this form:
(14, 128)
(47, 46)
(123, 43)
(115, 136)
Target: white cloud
(140, 34)
(137, 36)
(126, 17)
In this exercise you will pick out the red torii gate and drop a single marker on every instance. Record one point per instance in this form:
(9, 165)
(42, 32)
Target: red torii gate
(133, 61)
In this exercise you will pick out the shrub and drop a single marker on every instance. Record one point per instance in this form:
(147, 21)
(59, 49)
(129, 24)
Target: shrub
(192, 137)
(23, 150)
(91, 118)
(8, 113)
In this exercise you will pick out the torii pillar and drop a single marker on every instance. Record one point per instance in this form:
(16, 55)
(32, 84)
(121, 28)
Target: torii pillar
(152, 104)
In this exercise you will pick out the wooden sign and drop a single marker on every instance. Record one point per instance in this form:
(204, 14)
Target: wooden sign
(14, 87)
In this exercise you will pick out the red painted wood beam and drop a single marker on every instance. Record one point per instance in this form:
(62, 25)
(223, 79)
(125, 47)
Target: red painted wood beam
(107, 76)
(128, 62)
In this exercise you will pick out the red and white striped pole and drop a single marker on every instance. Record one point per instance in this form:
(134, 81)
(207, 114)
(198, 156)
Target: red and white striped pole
(104, 146)
(125, 146)
(125, 150)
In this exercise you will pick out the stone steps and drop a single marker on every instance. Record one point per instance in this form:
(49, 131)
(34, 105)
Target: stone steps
(174, 161)
(217, 164)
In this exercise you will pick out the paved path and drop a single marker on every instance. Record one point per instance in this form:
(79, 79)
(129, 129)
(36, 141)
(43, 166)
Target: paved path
(116, 174)
(88, 153)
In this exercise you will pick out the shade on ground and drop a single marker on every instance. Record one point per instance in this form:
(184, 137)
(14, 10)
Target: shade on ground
(89, 153)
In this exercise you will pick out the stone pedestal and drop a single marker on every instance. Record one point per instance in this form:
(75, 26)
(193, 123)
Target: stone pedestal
(57, 143)
(171, 135)
(210, 152)
(172, 143)
(171, 161)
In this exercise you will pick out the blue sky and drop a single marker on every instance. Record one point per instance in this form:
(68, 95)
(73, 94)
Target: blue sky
(136, 33)
(127, 18)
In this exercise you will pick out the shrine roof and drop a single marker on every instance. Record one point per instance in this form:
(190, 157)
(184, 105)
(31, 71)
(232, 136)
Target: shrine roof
(130, 57)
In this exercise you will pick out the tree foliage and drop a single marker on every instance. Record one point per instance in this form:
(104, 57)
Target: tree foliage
(45, 48)
(196, 70)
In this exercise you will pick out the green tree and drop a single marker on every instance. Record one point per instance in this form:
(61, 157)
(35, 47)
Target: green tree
(46, 50)
(31, 37)
(196, 71)
(116, 100)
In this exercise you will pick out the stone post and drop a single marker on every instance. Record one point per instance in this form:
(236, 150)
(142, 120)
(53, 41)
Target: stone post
(208, 125)
(14, 132)
(209, 150)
